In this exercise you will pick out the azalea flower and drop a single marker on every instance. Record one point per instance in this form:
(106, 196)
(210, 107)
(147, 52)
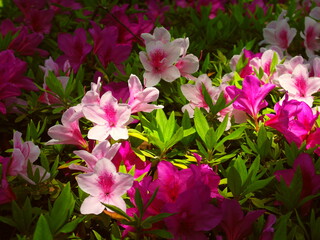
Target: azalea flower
(105, 185)
(67, 133)
(268, 230)
(75, 48)
(194, 214)
(158, 61)
(23, 153)
(311, 36)
(12, 77)
(129, 159)
(106, 46)
(295, 120)
(278, 33)
(139, 98)
(234, 223)
(109, 117)
(299, 85)
(251, 97)
(6, 194)
(194, 94)
(102, 150)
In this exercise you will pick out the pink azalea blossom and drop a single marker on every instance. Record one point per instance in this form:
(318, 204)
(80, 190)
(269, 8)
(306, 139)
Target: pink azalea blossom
(310, 179)
(295, 120)
(106, 47)
(299, 85)
(315, 67)
(234, 223)
(289, 65)
(251, 97)
(105, 185)
(120, 90)
(264, 62)
(6, 194)
(278, 33)
(109, 117)
(311, 36)
(39, 20)
(140, 97)
(128, 158)
(194, 214)
(67, 133)
(156, 10)
(24, 152)
(159, 34)
(159, 62)
(315, 13)
(247, 56)
(194, 95)
(102, 150)
(75, 48)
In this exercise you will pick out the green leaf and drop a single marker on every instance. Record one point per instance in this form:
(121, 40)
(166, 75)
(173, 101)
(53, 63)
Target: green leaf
(139, 202)
(157, 218)
(281, 227)
(117, 210)
(97, 235)
(42, 230)
(210, 139)
(54, 85)
(8, 221)
(175, 138)
(70, 226)
(169, 127)
(257, 185)
(234, 181)
(222, 127)
(201, 124)
(234, 135)
(160, 233)
(115, 232)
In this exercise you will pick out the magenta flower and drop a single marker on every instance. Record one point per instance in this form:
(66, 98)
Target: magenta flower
(109, 117)
(105, 185)
(6, 194)
(128, 158)
(120, 90)
(194, 214)
(234, 223)
(12, 81)
(140, 97)
(268, 230)
(299, 85)
(251, 97)
(309, 178)
(247, 69)
(106, 46)
(311, 36)
(295, 120)
(24, 152)
(102, 150)
(40, 21)
(27, 43)
(278, 33)
(159, 61)
(67, 133)
(75, 48)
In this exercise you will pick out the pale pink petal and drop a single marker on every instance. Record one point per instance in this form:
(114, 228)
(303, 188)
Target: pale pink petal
(91, 205)
(116, 201)
(89, 158)
(122, 184)
(105, 165)
(170, 74)
(151, 79)
(88, 182)
(119, 133)
(145, 61)
(99, 132)
(95, 114)
(31, 151)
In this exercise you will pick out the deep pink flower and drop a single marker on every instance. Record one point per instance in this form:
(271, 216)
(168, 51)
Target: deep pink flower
(102, 150)
(67, 133)
(6, 194)
(12, 77)
(106, 46)
(135, 22)
(311, 36)
(75, 48)
(156, 10)
(105, 185)
(128, 158)
(26, 43)
(120, 90)
(299, 85)
(247, 56)
(7, 26)
(251, 97)
(24, 152)
(194, 214)
(309, 178)
(268, 230)
(234, 223)
(295, 120)
(72, 4)
(140, 97)
(40, 20)
(109, 117)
